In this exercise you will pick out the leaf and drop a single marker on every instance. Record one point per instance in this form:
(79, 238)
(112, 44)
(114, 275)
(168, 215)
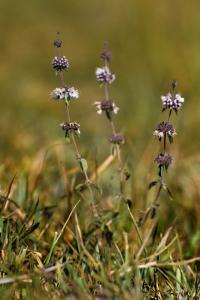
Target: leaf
(67, 100)
(178, 277)
(83, 164)
(170, 138)
(159, 171)
(1, 225)
(170, 194)
(30, 230)
(113, 150)
(22, 191)
(10, 187)
(80, 187)
(152, 184)
(168, 191)
(108, 115)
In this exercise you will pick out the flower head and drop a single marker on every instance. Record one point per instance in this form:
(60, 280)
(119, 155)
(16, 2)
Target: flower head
(71, 127)
(65, 93)
(106, 106)
(106, 55)
(164, 160)
(165, 129)
(58, 43)
(103, 75)
(60, 63)
(172, 101)
(58, 93)
(71, 93)
(117, 138)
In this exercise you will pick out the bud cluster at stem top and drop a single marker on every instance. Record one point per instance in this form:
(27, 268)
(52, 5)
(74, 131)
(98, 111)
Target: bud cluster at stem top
(106, 55)
(172, 101)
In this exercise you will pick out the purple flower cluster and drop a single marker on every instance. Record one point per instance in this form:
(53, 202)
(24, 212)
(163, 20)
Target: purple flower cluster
(165, 129)
(60, 63)
(171, 101)
(71, 127)
(106, 106)
(65, 93)
(164, 160)
(116, 138)
(103, 75)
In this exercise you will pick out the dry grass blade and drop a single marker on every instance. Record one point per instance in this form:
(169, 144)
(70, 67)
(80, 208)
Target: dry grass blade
(102, 167)
(155, 264)
(145, 242)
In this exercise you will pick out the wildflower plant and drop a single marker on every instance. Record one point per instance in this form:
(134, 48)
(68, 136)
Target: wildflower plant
(165, 132)
(107, 106)
(67, 94)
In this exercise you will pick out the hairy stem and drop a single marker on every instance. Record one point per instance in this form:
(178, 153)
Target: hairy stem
(112, 125)
(76, 149)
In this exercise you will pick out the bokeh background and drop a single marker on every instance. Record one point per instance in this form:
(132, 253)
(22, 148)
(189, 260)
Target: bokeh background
(153, 42)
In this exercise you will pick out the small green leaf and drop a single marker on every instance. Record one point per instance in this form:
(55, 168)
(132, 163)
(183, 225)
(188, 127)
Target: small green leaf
(170, 138)
(22, 191)
(80, 187)
(66, 100)
(113, 150)
(83, 164)
(168, 191)
(152, 184)
(170, 194)
(1, 225)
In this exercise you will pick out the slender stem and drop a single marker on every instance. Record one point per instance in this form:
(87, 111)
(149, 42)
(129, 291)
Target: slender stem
(78, 157)
(157, 194)
(62, 78)
(76, 149)
(136, 226)
(80, 238)
(170, 113)
(112, 125)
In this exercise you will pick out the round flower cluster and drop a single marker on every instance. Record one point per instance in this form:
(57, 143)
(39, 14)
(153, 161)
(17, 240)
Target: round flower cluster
(164, 160)
(72, 127)
(60, 63)
(172, 101)
(65, 93)
(103, 75)
(107, 106)
(165, 129)
(117, 138)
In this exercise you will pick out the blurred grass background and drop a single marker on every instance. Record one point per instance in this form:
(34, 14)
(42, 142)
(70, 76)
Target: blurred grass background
(152, 42)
